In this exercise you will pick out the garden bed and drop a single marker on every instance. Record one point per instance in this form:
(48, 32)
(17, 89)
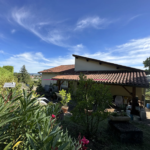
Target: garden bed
(106, 139)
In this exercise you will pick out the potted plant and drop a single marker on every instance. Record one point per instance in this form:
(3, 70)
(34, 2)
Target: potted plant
(65, 99)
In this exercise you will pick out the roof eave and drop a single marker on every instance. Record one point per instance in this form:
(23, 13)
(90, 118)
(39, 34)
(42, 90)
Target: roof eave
(77, 56)
(131, 85)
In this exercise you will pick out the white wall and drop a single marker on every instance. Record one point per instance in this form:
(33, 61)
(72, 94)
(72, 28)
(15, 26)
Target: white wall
(48, 76)
(82, 65)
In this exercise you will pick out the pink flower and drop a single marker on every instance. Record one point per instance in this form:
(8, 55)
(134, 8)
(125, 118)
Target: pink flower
(53, 116)
(85, 141)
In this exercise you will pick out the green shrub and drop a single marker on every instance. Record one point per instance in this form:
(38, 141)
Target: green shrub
(92, 99)
(24, 124)
(40, 89)
(5, 76)
(9, 68)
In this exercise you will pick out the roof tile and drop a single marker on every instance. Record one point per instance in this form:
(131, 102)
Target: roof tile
(132, 78)
(59, 69)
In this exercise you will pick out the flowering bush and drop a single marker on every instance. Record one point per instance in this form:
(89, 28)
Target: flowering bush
(28, 126)
(83, 142)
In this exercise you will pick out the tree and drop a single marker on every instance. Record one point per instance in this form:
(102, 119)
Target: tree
(25, 77)
(18, 76)
(147, 64)
(91, 100)
(9, 68)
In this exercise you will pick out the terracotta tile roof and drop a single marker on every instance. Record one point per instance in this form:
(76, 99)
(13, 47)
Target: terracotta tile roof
(131, 78)
(59, 69)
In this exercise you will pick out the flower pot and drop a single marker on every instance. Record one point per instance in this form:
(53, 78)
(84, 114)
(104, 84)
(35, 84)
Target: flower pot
(89, 111)
(65, 109)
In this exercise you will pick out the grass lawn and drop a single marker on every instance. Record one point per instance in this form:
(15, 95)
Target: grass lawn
(106, 140)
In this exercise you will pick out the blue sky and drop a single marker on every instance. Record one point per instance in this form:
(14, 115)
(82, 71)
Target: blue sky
(42, 34)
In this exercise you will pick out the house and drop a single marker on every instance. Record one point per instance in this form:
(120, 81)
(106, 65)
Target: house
(123, 80)
(32, 77)
(47, 75)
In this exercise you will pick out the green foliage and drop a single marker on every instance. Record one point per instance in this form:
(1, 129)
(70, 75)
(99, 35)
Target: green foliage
(90, 96)
(5, 76)
(147, 71)
(66, 97)
(9, 68)
(40, 89)
(25, 77)
(147, 64)
(36, 95)
(114, 114)
(18, 76)
(31, 85)
(24, 124)
(37, 83)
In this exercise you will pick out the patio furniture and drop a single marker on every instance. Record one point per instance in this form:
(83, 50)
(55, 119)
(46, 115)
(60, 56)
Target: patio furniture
(118, 100)
(126, 132)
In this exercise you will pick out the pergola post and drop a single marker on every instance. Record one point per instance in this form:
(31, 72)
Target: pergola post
(58, 82)
(143, 97)
(133, 99)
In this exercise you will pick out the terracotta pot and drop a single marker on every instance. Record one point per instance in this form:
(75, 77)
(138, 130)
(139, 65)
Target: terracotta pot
(65, 109)
(89, 111)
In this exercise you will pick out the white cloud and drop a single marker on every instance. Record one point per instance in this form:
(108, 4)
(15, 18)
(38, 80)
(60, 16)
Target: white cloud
(132, 18)
(36, 62)
(77, 48)
(95, 22)
(45, 30)
(13, 31)
(132, 53)
(2, 52)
